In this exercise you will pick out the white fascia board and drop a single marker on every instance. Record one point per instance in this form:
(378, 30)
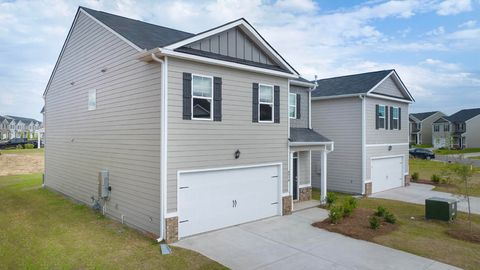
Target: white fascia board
(389, 98)
(414, 118)
(212, 61)
(399, 82)
(304, 84)
(338, 96)
(249, 30)
(293, 144)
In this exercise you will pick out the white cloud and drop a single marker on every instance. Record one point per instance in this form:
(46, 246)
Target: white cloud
(468, 24)
(452, 7)
(436, 32)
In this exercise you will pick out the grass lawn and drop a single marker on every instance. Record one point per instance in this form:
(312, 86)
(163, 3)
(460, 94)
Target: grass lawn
(475, 157)
(421, 146)
(453, 152)
(40, 229)
(426, 168)
(23, 151)
(422, 237)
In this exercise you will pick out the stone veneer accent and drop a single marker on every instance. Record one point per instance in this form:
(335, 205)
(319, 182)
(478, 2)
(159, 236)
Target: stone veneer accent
(368, 189)
(305, 194)
(287, 205)
(407, 180)
(171, 230)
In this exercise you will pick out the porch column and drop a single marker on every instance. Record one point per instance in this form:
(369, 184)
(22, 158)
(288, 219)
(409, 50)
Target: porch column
(38, 139)
(323, 177)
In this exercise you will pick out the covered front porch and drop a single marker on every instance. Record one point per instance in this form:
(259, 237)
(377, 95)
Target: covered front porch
(302, 143)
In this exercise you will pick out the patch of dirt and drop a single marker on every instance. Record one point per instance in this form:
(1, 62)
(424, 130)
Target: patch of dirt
(357, 225)
(465, 234)
(11, 164)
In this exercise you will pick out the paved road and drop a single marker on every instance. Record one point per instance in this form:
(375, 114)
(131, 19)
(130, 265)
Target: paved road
(290, 242)
(457, 158)
(417, 193)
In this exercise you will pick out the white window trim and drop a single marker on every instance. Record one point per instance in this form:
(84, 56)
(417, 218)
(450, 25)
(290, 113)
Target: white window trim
(384, 117)
(294, 106)
(92, 108)
(210, 98)
(397, 118)
(268, 103)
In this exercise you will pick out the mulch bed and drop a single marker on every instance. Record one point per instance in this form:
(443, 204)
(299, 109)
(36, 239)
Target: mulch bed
(429, 182)
(357, 225)
(465, 234)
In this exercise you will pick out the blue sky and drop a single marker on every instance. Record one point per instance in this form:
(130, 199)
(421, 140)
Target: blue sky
(433, 44)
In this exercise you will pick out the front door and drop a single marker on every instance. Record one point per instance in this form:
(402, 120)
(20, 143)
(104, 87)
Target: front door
(295, 175)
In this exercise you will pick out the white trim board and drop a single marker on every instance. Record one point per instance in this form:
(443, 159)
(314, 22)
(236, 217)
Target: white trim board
(385, 144)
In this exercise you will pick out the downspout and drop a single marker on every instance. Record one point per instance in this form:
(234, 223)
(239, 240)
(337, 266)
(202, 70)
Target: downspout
(364, 157)
(163, 144)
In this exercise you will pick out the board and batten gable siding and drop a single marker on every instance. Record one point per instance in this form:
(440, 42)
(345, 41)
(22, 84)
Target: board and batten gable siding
(473, 132)
(379, 136)
(122, 135)
(233, 43)
(200, 144)
(340, 120)
(302, 122)
(390, 88)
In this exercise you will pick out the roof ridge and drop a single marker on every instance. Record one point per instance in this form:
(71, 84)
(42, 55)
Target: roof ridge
(351, 75)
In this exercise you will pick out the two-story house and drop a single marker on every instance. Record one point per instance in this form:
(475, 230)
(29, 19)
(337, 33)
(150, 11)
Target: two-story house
(18, 127)
(177, 133)
(421, 126)
(366, 116)
(459, 130)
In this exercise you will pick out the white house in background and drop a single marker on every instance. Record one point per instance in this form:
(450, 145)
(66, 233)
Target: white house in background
(18, 127)
(459, 130)
(421, 126)
(366, 115)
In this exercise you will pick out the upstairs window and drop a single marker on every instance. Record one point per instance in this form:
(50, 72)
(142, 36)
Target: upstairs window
(292, 105)
(436, 128)
(202, 97)
(446, 128)
(92, 99)
(265, 101)
(395, 118)
(381, 116)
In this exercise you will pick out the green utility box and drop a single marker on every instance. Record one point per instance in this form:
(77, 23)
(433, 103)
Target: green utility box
(440, 208)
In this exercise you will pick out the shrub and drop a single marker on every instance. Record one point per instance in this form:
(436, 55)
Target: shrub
(435, 178)
(336, 214)
(415, 176)
(380, 211)
(351, 201)
(390, 218)
(349, 205)
(19, 146)
(29, 146)
(331, 198)
(374, 222)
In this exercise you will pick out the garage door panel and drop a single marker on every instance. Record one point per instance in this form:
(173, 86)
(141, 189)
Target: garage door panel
(211, 200)
(387, 173)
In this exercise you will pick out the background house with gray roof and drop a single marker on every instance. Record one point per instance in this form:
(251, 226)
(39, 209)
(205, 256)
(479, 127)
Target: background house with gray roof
(18, 127)
(459, 130)
(420, 125)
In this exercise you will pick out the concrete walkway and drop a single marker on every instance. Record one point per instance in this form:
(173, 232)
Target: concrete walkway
(417, 193)
(290, 242)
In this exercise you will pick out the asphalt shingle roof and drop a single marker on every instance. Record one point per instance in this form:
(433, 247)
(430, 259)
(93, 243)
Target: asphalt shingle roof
(144, 35)
(350, 84)
(423, 115)
(23, 119)
(306, 135)
(463, 115)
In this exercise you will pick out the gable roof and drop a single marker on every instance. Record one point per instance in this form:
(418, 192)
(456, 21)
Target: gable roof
(298, 135)
(145, 35)
(355, 84)
(441, 120)
(23, 119)
(423, 115)
(463, 115)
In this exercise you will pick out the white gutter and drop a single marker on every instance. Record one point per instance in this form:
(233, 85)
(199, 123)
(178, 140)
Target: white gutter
(364, 154)
(163, 144)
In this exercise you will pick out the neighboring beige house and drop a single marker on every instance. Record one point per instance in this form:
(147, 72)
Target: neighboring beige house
(18, 127)
(459, 130)
(366, 115)
(176, 133)
(421, 126)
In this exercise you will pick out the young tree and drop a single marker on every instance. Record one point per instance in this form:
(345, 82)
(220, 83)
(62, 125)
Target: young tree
(461, 175)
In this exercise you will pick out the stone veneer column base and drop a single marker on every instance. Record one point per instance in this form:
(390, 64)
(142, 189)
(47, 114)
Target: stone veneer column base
(305, 194)
(287, 205)
(368, 188)
(407, 180)
(171, 235)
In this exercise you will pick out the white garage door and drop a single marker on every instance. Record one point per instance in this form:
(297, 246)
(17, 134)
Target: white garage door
(210, 200)
(387, 173)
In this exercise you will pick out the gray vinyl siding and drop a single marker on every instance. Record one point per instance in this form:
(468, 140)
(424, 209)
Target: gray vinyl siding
(233, 43)
(122, 135)
(302, 122)
(427, 128)
(197, 144)
(340, 120)
(304, 168)
(382, 151)
(379, 136)
(472, 134)
(389, 87)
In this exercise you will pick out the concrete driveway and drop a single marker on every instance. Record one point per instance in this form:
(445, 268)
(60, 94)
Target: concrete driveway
(417, 193)
(290, 242)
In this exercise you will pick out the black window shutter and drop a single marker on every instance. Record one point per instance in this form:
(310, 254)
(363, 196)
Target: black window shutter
(391, 117)
(386, 117)
(399, 118)
(299, 115)
(377, 114)
(276, 104)
(217, 99)
(255, 103)
(187, 96)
